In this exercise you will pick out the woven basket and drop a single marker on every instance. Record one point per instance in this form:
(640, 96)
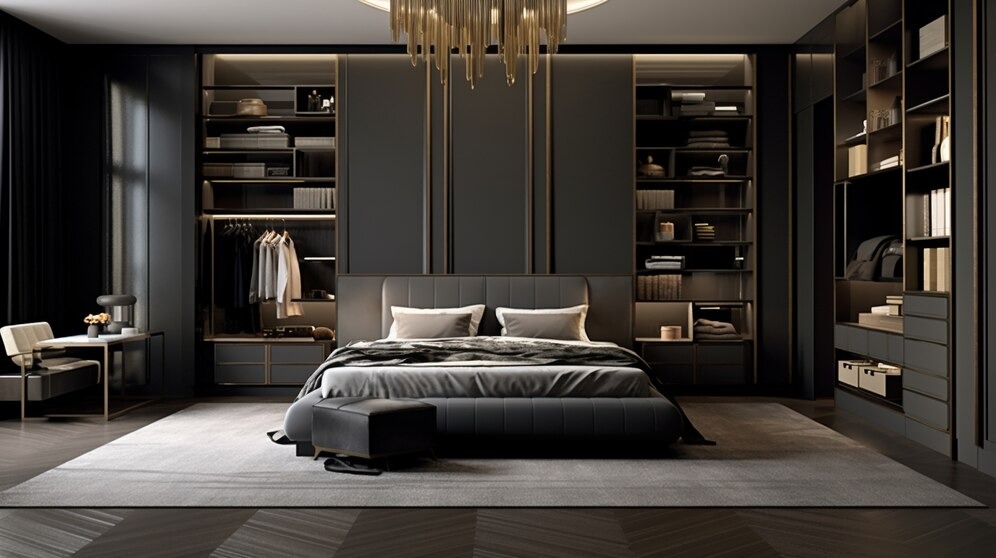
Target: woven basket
(251, 107)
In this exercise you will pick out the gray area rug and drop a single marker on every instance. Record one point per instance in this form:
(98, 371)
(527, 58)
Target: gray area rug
(216, 454)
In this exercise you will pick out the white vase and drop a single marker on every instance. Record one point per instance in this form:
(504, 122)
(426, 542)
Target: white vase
(945, 149)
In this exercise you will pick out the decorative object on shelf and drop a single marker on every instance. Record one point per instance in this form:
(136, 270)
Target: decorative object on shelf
(251, 107)
(121, 310)
(865, 263)
(673, 263)
(933, 37)
(883, 68)
(470, 26)
(944, 147)
(650, 168)
(705, 231)
(95, 322)
(314, 101)
(714, 330)
(665, 231)
(323, 334)
(670, 332)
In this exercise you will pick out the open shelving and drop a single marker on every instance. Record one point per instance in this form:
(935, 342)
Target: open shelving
(694, 191)
(250, 182)
(902, 201)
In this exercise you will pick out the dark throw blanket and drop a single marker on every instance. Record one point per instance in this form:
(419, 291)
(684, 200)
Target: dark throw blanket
(532, 352)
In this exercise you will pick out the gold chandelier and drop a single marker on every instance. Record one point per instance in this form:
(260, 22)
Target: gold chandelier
(469, 26)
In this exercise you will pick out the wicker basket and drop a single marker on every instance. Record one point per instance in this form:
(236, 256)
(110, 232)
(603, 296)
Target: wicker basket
(251, 107)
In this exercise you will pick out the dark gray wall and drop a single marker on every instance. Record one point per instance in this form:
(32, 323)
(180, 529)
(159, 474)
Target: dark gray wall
(774, 228)
(151, 102)
(987, 203)
(489, 179)
(592, 164)
(382, 174)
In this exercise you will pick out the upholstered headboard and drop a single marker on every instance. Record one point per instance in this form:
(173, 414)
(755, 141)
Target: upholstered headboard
(364, 301)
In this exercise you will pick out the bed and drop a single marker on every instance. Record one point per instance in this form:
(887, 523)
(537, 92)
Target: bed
(490, 385)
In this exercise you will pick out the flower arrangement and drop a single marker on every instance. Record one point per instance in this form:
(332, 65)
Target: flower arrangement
(97, 319)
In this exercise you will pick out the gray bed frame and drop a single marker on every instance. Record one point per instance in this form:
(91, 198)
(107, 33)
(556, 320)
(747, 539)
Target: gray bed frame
(364, 313)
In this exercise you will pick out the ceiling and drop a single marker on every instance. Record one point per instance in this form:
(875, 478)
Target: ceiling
(342, 22)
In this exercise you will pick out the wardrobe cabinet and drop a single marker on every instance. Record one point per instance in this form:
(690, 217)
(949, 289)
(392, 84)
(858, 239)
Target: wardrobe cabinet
(893, 164)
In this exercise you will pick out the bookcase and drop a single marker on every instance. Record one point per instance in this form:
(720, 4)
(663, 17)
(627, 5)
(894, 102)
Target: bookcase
(266, 162)
(893, 178)
(694, 208)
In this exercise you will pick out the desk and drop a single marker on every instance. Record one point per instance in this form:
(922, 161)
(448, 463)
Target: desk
(106, 343)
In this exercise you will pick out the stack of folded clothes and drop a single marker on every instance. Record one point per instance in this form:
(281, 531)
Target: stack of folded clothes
(708, 139)
(711, 330)
(706, 171)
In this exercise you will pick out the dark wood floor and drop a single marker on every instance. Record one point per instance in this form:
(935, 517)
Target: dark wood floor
(35, 446)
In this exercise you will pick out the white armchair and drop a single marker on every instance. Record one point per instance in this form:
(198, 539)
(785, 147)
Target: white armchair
(43, 373)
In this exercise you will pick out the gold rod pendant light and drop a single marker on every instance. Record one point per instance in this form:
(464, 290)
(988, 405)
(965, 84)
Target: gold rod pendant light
(469, 26)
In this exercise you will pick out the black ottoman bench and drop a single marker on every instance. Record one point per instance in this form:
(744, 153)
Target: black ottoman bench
(371, 428)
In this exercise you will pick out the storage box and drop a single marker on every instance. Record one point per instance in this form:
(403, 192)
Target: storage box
(326, 142)
(848, 371)
(883, 381)
(254, 141)
(857, 160)
(249, 170)
(212, 143)
(278, 170)
(217, 170)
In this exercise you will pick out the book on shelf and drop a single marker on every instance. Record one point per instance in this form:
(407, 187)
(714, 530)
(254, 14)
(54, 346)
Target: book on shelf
(930, 267)
(933, 36)
(943, 269)
(938, 223)
(857, 160)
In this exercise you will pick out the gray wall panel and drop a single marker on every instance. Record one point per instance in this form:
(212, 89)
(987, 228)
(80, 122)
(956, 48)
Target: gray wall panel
(151, 100)
(385, 131)
(592, 164)
(489, 171)
(804, 238)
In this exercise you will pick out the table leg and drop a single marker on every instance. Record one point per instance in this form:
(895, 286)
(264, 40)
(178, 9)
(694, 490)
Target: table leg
(107, 380)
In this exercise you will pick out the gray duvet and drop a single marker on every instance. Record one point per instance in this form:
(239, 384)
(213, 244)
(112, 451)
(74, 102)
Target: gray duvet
(485, 381)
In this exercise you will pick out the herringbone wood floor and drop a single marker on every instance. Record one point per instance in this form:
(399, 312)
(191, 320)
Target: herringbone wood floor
(35, 446)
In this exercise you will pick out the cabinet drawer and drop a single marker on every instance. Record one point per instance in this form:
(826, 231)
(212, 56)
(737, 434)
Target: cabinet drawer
(925, 306)
(722, 374)
(878, 345)
(675, 374)
(932, 438)
(926, 409)
(239, 374)
(926, 384)
(721, 354)
(290, 373)
(225, 353)
(840, 337)
(895, 349)
(926, 357)
(926, 329)
(297, 354)
(669, 353)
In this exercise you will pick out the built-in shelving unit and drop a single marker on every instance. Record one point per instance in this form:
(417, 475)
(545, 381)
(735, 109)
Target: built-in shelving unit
(892, 172)
(694, 189)
(253, 181)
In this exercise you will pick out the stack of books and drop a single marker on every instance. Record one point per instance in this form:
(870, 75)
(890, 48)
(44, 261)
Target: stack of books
(655, 199)
(692, 103)
(933, 37)
(705, 231)
(665, 262)
(886, 163)
(936, 215)
(314, 198)
(658, 287)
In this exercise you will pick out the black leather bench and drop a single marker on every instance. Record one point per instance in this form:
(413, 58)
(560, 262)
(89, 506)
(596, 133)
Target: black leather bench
(371, 427)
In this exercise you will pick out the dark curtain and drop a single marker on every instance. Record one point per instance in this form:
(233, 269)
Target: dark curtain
(49, 248)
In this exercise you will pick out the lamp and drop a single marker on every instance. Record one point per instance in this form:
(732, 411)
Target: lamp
(120, 307)
(469, 26)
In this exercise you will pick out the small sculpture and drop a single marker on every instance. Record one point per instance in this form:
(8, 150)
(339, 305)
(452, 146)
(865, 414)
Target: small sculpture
(314, 101)
(650, 168)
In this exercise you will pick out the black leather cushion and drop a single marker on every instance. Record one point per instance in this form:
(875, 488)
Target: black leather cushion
(371, 427)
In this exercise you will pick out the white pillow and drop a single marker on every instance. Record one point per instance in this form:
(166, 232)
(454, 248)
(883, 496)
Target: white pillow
(476, 313)
(575, 327)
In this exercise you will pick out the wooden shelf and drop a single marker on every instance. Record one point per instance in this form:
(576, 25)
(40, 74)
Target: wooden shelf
(869, 175)
(270, 118)
(894, 28)
(926, 168)
(858, 96)
(933, 106)
(289, 180)
(933, 61)
(894, 79)
(691, 271)
(869, 396)
(943, 240)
